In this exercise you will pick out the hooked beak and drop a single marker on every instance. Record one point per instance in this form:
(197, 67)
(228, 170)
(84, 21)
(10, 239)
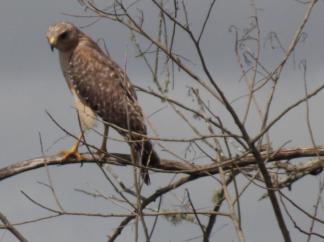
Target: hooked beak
(52, 41)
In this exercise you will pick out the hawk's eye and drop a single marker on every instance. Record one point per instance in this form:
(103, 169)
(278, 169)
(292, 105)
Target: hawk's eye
(63, 35)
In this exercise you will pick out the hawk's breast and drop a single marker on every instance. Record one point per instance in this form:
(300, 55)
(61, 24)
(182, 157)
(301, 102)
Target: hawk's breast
(64, 62)
(86, 114)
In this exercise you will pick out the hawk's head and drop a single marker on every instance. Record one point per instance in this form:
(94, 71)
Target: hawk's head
(62, 36)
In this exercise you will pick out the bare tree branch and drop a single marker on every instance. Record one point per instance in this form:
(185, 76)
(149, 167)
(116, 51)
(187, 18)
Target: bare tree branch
(11, 228)
(173, 166)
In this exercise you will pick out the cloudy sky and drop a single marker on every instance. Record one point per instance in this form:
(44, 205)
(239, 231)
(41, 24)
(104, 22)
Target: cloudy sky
(31, 82)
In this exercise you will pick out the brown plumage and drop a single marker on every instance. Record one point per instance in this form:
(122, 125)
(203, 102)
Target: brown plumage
(99, 84)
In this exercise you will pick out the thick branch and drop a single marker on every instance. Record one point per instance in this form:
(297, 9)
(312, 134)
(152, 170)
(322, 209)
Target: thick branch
(173, 166)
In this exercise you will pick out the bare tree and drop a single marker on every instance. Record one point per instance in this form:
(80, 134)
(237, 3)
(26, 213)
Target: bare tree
(223, 147)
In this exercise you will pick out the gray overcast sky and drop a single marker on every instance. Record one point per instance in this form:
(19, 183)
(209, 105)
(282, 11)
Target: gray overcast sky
(31, 82)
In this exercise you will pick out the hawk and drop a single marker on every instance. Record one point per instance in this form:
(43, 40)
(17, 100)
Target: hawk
(100, 88)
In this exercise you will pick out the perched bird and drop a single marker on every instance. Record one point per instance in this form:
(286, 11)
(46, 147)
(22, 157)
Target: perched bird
(100, 88)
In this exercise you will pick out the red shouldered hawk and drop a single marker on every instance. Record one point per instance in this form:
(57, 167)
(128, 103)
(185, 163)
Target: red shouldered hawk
(100, 87)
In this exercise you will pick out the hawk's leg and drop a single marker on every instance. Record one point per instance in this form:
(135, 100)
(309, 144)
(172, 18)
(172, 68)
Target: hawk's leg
(103, 148)
(86, 121)
(73, 151)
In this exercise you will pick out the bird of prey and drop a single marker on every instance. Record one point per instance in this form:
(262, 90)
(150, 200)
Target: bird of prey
(100, 88)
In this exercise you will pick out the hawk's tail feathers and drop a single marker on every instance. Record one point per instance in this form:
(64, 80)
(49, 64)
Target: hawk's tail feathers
(148, 158)
(145, 176)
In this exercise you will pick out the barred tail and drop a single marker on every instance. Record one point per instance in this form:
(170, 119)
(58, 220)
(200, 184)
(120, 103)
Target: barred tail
(148, 158)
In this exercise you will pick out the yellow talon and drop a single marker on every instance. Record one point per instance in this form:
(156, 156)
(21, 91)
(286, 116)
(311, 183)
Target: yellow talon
(66, 154)
(72, 152)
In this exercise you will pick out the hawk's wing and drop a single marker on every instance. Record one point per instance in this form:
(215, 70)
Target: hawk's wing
(105, 87)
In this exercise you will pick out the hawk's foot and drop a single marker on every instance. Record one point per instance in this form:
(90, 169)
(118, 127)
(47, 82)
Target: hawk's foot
(71, 153)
